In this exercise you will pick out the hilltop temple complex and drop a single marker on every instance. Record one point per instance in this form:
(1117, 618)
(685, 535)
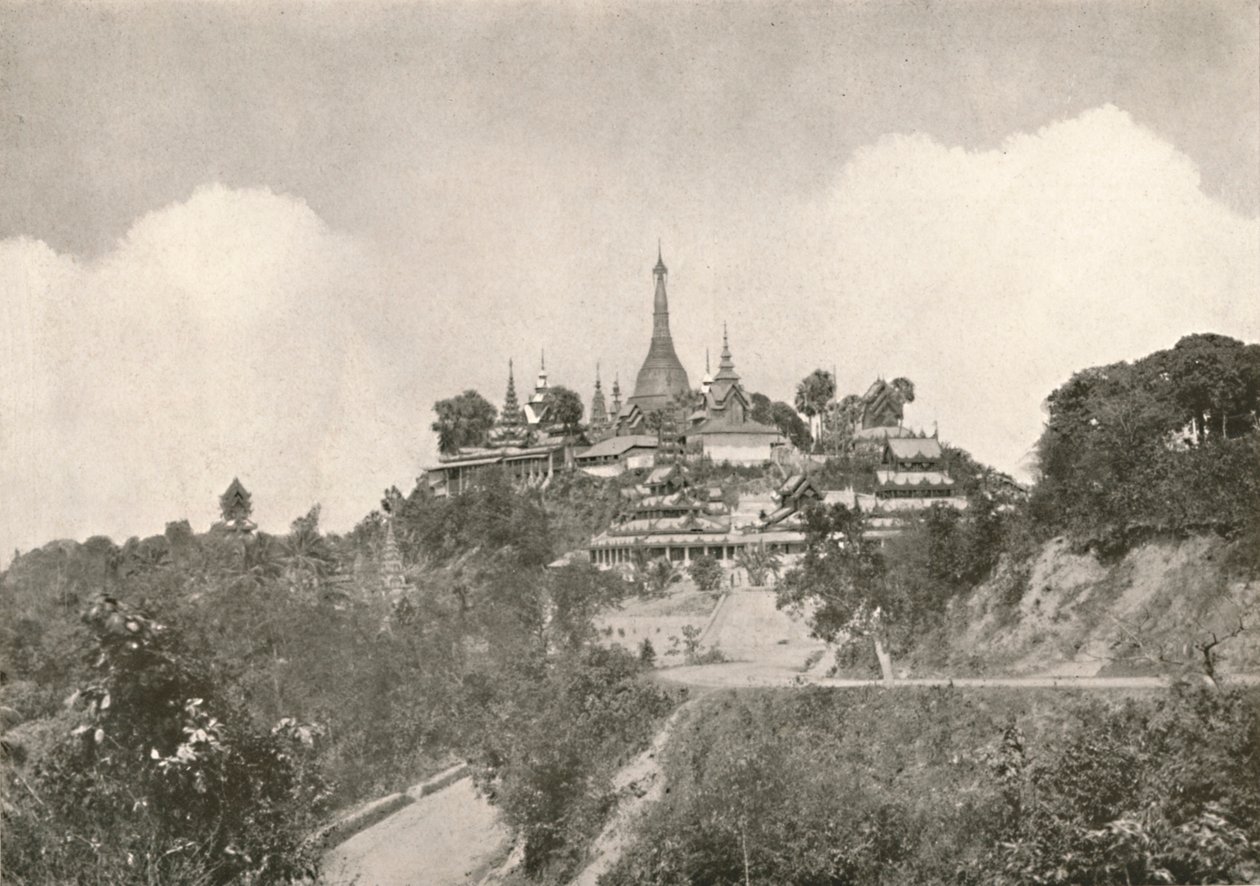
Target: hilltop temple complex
(663, 418)
(665, 422)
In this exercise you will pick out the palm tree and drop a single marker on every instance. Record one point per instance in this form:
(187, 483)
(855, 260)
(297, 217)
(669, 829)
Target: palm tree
(812, 396)
(306, 558)
(759, 563)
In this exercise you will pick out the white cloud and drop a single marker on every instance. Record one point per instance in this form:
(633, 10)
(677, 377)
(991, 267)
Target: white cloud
(990, 276)
(235, 333)
(219, 337)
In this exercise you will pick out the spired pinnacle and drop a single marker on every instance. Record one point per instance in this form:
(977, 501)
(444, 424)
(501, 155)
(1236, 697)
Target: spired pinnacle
(599, 411)
(511, 414)
(662, 378)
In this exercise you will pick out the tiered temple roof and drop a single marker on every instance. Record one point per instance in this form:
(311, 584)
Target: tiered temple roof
(912, 475)
(726, 404)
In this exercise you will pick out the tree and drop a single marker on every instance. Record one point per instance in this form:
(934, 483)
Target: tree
(564, 410)
(706, 572)
(463, 421)
(1212, 380)
(842, 422)
(660, 574)
(761, 410)
(576, 592)
(812, 396)
(306, 556)
(789, 423)
(1157, 445)
(844, 578)
(759, 563)
(164, 780)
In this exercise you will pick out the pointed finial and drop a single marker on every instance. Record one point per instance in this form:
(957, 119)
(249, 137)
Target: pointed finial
(660, 268)
(542, 360)
(706, 361)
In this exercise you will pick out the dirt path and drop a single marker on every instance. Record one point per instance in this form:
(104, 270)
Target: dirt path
(639, 784)
(738, 674)
(446, 838)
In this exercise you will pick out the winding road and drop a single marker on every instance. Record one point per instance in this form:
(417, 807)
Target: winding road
(452, 837)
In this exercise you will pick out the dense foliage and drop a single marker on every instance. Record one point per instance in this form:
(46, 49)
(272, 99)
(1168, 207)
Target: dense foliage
(1167, 444)
(549, 743)
(482, 646)
(463, 421)
(892, 591)
(164, 779)
(945, 786)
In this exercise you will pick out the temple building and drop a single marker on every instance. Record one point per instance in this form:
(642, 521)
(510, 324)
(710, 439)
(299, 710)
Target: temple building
(599, 411)
(615, 455)
(236, 506)
(912, 476)
(536, 407)
(673, 520)
(392, 576)
(520, 444)
(880, 415)
(724, 430)
(662, 382)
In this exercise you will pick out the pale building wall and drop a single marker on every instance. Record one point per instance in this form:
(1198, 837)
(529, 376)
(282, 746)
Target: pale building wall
(609, 470)
(643, 459)
(738, 449)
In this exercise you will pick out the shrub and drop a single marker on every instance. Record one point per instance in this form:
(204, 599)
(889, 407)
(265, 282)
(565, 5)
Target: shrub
(548, 761)
(706, 572)
(164, 780)
(946, 786)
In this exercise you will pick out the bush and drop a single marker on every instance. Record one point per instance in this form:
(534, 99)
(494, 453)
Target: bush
(946, 786)
(706, 572)
(164, 780)
(556, 742)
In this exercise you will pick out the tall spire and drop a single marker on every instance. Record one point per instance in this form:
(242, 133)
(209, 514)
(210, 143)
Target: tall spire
(662, 378)
(660, 301)
(390, 568)
(511, 414)
(599, 415)
(541, 384)
(616, 392)
(726, 365)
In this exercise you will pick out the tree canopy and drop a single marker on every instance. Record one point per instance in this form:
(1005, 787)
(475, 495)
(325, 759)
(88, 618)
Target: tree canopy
(789, 423)
(463, 421)
(813, 393)
(564, 409)
(1166, 443)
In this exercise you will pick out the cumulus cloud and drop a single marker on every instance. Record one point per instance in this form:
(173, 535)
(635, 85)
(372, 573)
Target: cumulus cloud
(222, 335)
(235, 333)
(990, 276)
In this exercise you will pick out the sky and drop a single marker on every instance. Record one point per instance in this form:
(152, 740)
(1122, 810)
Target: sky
(260, 240)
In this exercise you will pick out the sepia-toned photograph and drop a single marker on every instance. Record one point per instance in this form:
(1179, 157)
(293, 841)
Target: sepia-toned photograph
(604, 443)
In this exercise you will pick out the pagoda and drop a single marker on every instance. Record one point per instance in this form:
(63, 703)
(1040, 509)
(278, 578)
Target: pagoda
(235, 506)
(662, 380)
(390, 568)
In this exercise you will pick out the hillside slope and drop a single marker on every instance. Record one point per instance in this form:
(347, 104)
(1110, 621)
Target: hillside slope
(1068, 613)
